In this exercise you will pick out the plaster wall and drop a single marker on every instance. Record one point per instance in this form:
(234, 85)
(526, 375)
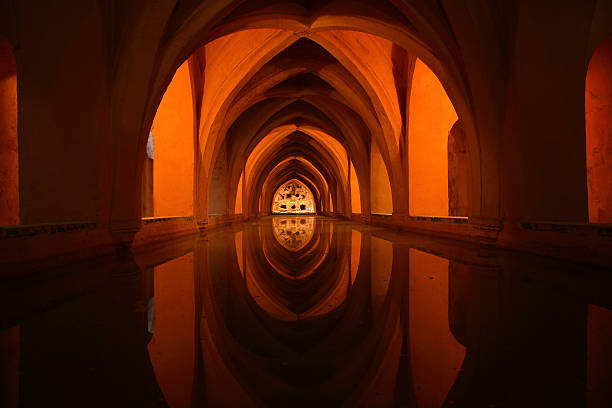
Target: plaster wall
(228, 61)
(63, 114)
(371, 57)
(543, 169)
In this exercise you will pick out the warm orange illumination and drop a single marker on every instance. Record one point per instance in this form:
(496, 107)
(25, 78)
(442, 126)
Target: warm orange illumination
(238, 206)
(172, 347)
(239, 252)
(380, 269)
(9, 155)
(173, 149)
(431, 117)
(355, 193)
(435, 364)
(598, 106)
(381, 197)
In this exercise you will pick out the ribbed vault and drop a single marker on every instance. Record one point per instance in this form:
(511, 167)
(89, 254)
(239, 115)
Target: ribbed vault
(317, 73)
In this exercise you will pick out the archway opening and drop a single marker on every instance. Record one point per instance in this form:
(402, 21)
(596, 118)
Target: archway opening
(431, 118)
(167, 177)
(9, 153)
(293, 197)
(598, 121)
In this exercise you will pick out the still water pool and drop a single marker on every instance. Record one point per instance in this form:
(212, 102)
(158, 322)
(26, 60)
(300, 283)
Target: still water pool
(304, 311)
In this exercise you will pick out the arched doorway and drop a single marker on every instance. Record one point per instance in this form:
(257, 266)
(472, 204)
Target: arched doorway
(9, 153)
(598, 120)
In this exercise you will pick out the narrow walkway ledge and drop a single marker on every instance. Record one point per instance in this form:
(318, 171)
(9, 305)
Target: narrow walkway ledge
(453, 220)
(448, 227)
(156, 230)
(34, 246)
(576, 241)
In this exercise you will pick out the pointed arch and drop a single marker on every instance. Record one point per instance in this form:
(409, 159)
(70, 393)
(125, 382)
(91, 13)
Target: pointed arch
(9, 152)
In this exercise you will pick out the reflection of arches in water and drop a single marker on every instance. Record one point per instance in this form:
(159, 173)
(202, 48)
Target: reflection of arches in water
(264, 313)
(327, 316)
(434, 364)
(293, 197)
(293, 233)
(172, 346)
(308, 283)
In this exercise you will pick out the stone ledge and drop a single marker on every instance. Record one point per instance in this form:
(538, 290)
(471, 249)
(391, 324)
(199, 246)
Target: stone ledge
(451, 220)
(219, 220)
(159, 229)
(602, 230)
(153, 220)
(32, 230)
(48, 249)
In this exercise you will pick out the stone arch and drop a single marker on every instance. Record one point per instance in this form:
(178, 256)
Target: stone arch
(173, 166)
(391, 160)
(442, 63)
(194, 26)
(313, 153)
(305, 172)
(431, 116)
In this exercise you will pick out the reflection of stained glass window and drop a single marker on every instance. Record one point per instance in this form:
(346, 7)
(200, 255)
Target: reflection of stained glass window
(293, 234)
(293, 197)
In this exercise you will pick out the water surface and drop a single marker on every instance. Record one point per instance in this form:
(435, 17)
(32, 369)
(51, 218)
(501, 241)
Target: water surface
(301, 311)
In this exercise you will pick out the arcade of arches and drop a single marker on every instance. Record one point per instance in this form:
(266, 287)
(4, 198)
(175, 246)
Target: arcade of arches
(428, 117)
(124, 124)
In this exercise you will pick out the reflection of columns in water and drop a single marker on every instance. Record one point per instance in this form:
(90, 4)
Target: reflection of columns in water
(9, 367)
(525, 342)
(409, 327)
(172, 346)
(124, 311)
(94, 351)
(474, 295)
(599, 362)
(436, 355)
